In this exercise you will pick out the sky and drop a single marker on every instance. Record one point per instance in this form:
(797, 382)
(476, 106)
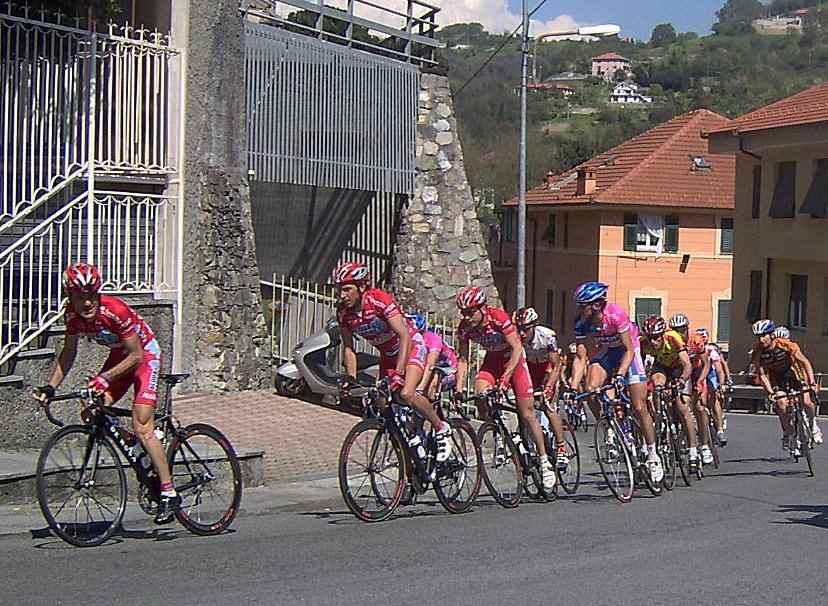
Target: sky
(637, 18)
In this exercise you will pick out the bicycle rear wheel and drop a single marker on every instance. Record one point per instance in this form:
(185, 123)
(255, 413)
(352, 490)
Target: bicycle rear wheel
(667, 452)
(713, 440)
(614, 460)
(570, 478)
(683, 455)
(502, 471)
(207, 476)
(371, 471)
(81, 486)
(806, 443)
(458, 478)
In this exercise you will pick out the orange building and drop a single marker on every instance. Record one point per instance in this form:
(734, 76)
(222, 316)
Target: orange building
(652, 217)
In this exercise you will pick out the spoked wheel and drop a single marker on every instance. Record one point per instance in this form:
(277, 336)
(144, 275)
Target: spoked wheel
(501, 467)
(533, 484)
(643, 470)
(81, 486)
(806, 442)
(570, 478)
(371, 471)
(683, 456)
(667, 453)
(458, 478)
(713, 440)
(207, 476)
(614, 460)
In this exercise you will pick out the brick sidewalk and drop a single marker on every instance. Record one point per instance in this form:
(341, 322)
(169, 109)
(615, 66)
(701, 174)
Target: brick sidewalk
(299, 439)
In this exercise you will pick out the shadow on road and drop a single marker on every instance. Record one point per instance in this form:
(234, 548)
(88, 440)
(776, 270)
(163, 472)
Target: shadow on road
(774, 473)
(819, 519)
(156, 534)
(758, 460)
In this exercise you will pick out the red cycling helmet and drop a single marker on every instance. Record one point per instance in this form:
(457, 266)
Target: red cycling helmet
(350, 273)
(654, 326)
(82, 277)
(525, 316)
(471, 297)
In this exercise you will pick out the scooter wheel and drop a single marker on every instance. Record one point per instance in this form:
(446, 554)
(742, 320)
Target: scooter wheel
(291, 388)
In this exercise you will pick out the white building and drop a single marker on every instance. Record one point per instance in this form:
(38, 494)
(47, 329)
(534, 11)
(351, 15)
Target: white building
(627, 92)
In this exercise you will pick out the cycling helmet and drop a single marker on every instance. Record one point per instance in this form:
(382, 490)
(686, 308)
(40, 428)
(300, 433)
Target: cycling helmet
(525, 316)
(655, 326)
(573, 348)
(679, 321)
(702, 332)
(589, 292)
(764, 327)
(82, 277)
(471, 297)
(350, 273)
(418, 320)
(782, 332)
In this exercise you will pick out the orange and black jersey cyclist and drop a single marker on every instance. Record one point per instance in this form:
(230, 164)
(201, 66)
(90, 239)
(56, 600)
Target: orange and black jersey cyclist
(780, 361)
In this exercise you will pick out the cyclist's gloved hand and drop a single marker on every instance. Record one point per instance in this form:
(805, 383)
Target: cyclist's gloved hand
(396, 381)
(98, 384)
(346, 384)
(44, 394)
(505, 382)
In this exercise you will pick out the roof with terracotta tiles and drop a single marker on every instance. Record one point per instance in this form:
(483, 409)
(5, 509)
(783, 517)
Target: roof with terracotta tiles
(806, 107)
(610, 57)
(656, 168)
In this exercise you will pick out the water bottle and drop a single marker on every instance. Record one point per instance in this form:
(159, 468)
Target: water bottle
(141, 456)
(516, 439)
(416, 443)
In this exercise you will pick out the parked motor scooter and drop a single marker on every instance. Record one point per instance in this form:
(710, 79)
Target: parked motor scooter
(313, 372)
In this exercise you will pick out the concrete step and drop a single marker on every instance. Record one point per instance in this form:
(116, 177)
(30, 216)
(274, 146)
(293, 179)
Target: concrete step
(12, 380)
(36, 354)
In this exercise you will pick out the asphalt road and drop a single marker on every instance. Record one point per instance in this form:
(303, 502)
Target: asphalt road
(753, 533)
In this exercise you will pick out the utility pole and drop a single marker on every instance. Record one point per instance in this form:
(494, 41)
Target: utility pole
(521, 235)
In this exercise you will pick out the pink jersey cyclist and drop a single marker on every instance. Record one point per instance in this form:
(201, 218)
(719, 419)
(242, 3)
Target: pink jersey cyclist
(114, 322)
(491, 335)
(607, 336)
(434, 342)
(370, 322)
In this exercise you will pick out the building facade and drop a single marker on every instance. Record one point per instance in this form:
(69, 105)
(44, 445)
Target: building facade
(604, 66)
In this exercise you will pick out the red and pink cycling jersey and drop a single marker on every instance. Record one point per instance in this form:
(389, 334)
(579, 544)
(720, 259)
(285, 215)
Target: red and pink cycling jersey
(491, 333)
(614, 323)
(114, 322)
(434, 342)
(371, 321)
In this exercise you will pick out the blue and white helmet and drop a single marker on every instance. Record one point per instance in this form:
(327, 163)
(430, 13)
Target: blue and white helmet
(418, 320)
(782, 332)
(589, 292)
(764, 327)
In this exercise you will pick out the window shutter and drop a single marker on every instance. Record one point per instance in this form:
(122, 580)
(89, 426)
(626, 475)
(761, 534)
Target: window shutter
(723, 321)
(816, 200)
(757, 191)
(630, 229)
(754, 309)
(726, 246)
(783, 204)
(671, 234)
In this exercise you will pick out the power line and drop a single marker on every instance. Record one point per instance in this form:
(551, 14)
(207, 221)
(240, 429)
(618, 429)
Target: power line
(496, 52)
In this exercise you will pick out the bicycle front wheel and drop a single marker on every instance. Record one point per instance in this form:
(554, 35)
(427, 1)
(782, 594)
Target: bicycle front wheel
(458, 478)
(713, 440)
(81, 486)
(570, 478)
(501, 468)
(371, 471)
(614, 460)
(806, 443)
(207, 476)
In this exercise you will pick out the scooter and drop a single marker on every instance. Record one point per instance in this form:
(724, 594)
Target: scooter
(312, 371)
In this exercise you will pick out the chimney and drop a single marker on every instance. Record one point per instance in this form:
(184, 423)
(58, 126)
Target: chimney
(550, 179)
(586, 182)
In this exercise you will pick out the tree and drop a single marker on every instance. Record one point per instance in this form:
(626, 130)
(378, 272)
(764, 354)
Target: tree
(620, 75)
(663, 35)
(736, 15)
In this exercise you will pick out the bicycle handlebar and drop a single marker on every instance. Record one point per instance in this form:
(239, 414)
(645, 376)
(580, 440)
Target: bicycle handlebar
(81, 394)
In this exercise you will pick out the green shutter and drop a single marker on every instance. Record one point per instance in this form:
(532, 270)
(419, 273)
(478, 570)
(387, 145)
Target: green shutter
(727, 237)
(671, 234)
(630, 229)
(723, 321)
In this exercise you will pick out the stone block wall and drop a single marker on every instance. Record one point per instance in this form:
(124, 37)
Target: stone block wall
(440, 246)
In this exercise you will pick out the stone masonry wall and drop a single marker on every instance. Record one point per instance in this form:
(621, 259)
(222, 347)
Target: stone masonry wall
(224, 328)
(440, 247)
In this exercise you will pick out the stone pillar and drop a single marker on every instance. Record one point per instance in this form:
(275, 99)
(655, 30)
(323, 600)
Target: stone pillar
(224, 329)
(440, 247)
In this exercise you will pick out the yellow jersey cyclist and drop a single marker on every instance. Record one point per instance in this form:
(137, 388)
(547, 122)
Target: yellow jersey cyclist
(782, 366)
(672, 362)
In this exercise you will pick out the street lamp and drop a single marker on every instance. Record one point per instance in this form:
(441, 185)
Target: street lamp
(595, 30)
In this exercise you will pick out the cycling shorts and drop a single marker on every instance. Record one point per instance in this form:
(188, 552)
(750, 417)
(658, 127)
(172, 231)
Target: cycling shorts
(673, 373)
(610, 360)
(694, 379)
(416, 357)
(492, 369)
(713, 379)
(144, 378)
(785, 380)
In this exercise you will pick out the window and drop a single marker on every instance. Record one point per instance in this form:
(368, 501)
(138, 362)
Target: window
(509, 220)
(784, 194)
(723, 321)
(754, 310)
(566, 230)
(757, 191)
(646, 233)
(646, 307)
(798, 305)
(671, 234)
(726, 243)
(816, 200)
(549, 235)
(550, 306)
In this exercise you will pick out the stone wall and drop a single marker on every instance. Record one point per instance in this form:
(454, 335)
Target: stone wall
(440, 247)
(224, 331)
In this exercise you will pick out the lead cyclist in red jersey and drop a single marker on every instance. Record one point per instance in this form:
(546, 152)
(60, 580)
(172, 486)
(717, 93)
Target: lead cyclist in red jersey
(134, 360)
(374, 315)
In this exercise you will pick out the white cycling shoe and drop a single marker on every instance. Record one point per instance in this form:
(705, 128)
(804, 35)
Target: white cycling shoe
(656, 470)
(817, 434)
(443, 438)
(706, 454)
(548, 475)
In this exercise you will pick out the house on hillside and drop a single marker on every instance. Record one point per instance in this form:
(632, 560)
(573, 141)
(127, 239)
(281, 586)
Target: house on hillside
(551, 87)
(652, 217)
(605, 66)
(627, 92)
(780, 263)
(779, 25)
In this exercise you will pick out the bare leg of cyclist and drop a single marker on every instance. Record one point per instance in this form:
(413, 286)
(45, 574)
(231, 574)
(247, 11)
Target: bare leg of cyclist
(596, 377)
(409, 395)
(781, 408)
(714, 406)
(638, 397)
(482, 406)
(555, 423)
(701, 416)
(143, 423)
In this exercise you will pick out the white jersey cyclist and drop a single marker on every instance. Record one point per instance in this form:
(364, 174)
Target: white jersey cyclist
(544, 342)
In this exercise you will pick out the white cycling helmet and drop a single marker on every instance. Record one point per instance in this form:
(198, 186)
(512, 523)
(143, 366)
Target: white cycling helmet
(763, 327)
(679, 321)
(782, 332)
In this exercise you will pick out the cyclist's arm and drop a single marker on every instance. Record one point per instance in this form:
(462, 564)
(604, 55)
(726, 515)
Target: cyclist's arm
(65, 360)
(686, 366)
(513, 340)
(629, 353)
(349, 358)
(555, 375)
(578, 366)
(399, 326)
(135, 355)
(462, 363)
(805, 363)
(719, 368)
(431, 361)
(764, 380)
(726, 369)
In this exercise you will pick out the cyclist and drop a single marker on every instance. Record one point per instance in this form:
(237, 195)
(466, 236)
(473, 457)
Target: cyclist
(134, 360)
(782, 366)
(503, 366)
(439, 354)
(671, 362)
(697, 351)
(618, 358)
(540, 345)
(374, 315)
(716, 380)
